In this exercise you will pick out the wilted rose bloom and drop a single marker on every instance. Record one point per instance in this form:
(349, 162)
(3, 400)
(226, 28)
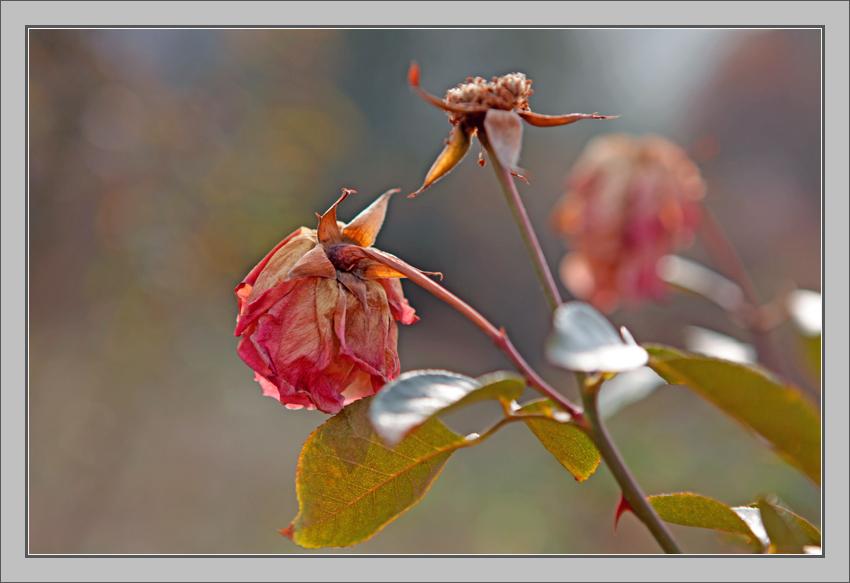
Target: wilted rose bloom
(629, 201)
(318, 314)
(492, 110)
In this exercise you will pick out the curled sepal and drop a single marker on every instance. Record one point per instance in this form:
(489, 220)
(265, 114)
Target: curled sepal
(364, 228)
(414, 397)
(364, 262)
(548, 121)
(504, 134)
(413, 80)
(583, 340)
(328, 231)
(350, 485)
(456, 148)
(385, 265)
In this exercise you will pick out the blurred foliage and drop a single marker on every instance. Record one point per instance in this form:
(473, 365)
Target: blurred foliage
(165, 163)
(780, 414)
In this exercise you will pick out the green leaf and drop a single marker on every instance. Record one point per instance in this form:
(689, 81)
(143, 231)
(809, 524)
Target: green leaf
(752, 516)
(694, 510)
(350, 485)
(786, 536)
(416, 396)
(570, 445)
(779, 413)
(583, 340)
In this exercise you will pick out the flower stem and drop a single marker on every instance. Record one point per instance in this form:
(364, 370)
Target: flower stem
(590, 422)
(631, 491)
(727, 259)
(532, 245)
(498, 335)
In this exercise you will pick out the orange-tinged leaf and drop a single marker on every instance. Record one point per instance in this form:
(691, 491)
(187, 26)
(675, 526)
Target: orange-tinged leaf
(364, 228)
(455, 150)
(570, 445)
(780, 413)
(350, 485)
(689, 509)
(547, 121)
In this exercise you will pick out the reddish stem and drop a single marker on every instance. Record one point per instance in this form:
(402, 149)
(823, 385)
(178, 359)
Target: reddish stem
(498, 335)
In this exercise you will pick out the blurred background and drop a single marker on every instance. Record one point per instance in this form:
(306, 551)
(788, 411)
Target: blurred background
(164, 164)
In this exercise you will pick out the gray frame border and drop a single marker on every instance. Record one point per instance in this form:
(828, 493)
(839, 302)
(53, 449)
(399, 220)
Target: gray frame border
(834, 15)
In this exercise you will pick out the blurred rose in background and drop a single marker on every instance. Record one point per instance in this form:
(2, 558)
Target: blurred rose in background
(164, 164)
(629, 202)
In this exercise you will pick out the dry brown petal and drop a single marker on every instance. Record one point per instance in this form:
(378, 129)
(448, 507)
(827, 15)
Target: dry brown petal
(314, 263)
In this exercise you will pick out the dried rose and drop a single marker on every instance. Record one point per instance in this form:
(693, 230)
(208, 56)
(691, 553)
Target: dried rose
(629, 202)
(492, 110)
(317, 314)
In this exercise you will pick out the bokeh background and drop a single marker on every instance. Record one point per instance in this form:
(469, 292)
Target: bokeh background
(165, 163)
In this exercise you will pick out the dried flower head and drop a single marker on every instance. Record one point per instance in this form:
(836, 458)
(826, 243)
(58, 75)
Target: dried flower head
(629, 201)
(318, 314)
(493, 110)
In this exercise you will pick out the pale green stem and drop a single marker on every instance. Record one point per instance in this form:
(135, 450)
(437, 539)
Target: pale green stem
(631, 491)
(532, 245)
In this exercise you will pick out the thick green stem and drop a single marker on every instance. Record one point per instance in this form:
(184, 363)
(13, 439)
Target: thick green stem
(532, 245)
(631, 491)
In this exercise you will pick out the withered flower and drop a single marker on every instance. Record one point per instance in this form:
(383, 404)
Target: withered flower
(494, 111)
(317, 314)
(629, 201)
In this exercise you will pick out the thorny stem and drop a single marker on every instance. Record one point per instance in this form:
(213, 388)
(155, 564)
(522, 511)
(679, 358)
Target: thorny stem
(631, 491)
(590, 423)
(588, 420)
(532, 245)
(498, 335)
(727, 259)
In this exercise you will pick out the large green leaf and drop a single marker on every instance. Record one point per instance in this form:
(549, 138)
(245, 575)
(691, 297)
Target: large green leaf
(350, 485)
(779, 413)
(569, 444)
(694, 510)
(416, 396)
